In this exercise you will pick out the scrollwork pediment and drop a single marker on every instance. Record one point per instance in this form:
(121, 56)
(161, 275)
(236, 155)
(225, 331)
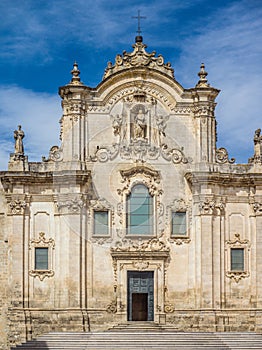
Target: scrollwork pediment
(139, 58)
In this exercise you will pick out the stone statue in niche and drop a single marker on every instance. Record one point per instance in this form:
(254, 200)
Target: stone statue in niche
(18, 136)
(140, 125)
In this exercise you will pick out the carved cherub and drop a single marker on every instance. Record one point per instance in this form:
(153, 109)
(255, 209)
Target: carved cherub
(117, 123)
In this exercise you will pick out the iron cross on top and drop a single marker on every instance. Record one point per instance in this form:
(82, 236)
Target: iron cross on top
(138, 17)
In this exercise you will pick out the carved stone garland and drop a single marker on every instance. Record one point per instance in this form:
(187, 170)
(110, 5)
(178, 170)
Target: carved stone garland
(42, 242)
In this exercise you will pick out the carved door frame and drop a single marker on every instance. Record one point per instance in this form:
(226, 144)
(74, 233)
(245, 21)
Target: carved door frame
(155, 262)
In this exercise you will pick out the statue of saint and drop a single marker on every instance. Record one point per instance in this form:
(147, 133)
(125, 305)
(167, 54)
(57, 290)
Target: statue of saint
(18, 136)
(140, 125)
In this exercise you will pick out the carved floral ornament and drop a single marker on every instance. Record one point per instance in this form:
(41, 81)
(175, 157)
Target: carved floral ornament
(237, 242)
(42, 242)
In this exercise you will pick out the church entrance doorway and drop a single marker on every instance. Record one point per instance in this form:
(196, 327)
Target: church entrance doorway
(140, 295)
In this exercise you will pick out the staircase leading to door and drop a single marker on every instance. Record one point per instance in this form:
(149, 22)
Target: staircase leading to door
(142, 340)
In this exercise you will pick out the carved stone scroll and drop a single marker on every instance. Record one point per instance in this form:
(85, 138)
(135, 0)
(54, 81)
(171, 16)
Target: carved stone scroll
(222, 156)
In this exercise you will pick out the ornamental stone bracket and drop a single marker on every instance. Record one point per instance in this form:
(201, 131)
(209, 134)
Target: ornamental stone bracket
(237, 275)
(41, 274)
(222, 156)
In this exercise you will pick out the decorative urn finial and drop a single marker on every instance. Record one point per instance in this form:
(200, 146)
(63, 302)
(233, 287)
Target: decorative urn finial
(76, 78)
(202, 77)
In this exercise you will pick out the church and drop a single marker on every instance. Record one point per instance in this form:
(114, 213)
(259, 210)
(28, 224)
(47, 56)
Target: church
(136, 217)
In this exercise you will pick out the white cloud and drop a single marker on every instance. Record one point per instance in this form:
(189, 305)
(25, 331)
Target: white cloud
(38, 113)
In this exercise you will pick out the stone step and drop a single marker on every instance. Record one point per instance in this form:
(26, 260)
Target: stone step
(138, 340)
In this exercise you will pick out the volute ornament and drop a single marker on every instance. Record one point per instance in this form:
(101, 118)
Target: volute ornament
(222, 156)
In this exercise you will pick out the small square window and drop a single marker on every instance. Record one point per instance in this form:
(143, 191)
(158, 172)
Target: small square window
(101, 222)
(41, 258)
(237, 259)
(179, 224)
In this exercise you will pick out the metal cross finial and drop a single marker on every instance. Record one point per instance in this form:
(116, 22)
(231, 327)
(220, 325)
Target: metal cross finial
(138, 17)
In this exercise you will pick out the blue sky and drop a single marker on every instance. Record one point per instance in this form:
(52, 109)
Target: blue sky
(41, 39)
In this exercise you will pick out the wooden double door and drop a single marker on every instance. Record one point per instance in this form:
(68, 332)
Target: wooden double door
(140, 295)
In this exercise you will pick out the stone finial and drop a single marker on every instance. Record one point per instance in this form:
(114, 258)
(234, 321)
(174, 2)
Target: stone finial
(18, 136)
(202, 77)
(75, 73)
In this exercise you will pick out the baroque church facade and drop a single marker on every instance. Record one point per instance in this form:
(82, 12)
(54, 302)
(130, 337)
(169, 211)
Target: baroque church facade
(136, 217)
